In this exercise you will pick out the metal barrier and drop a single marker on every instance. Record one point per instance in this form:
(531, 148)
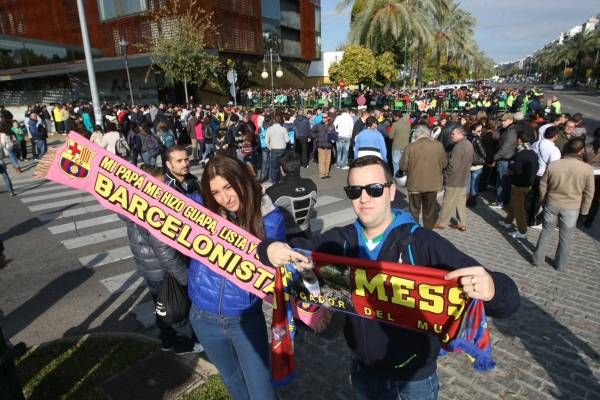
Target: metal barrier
(446, 104)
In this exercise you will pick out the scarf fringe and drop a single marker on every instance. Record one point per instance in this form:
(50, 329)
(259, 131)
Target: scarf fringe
(481, 360)
(283, 381)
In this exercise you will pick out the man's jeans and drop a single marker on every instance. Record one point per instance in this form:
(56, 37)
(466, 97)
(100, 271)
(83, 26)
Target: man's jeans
(275, 173)
(473, 185)
(305, 146)
(396, 157)
(239, 348)
(342, 145)
(264, 165)
(6, 177)
(40, 146)
(208, 150)
(149, 159)
(369, 386)
(567, 221)
(502, 183)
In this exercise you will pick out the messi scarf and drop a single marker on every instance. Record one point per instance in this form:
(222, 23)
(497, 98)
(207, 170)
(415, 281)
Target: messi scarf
(412, 297)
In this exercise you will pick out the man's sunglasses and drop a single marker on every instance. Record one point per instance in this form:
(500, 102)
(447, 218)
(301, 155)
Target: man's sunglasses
(374, 190)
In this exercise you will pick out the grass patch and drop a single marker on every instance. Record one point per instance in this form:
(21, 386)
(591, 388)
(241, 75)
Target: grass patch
(74, 369)
(213, 389)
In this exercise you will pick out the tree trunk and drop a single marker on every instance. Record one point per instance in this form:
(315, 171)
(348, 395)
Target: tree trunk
(438, 65)
(420, 52)
(185, 88)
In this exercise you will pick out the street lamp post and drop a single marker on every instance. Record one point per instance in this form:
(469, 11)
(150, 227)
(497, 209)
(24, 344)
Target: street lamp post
(87, 49)
(124, 44)
(279, 73)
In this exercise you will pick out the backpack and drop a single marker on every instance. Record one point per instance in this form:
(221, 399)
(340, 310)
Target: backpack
(167, 139)
(209, 132)
(122, 147)
(152, 145)
(263, 137)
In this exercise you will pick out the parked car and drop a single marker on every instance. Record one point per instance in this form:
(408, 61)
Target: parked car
(558, 86)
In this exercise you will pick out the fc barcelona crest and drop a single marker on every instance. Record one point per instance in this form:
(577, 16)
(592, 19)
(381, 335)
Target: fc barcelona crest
(76, 160)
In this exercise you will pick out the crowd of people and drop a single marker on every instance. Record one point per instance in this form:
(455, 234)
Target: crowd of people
(539, 160)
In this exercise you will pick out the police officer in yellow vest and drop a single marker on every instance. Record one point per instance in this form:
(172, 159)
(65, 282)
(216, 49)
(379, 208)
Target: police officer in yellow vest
(555, 106)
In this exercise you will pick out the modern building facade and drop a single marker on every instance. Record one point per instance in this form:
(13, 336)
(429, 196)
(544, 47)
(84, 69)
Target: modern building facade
(41, 45)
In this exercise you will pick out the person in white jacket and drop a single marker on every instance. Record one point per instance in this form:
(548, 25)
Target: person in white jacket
(343, 124)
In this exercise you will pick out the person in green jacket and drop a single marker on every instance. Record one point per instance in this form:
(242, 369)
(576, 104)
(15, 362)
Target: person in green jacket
(20, 133)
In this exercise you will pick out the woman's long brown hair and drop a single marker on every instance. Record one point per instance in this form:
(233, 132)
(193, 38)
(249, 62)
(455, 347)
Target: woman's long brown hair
(249, 215)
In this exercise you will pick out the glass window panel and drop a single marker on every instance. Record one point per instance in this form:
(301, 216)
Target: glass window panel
(271, 9)
(119, 8)
(317, 19)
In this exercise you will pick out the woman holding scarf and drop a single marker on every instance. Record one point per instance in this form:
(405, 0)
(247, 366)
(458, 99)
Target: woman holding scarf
(228, 321)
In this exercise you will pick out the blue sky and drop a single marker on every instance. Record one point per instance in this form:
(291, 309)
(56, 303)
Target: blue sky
(506, 29)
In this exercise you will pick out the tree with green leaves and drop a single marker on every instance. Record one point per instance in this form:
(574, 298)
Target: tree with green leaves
(580, 52)
(387, 70)
(453, 28)
(431, 33)
(380, 23)
(179, 49)
(577, 48)
(358, 66)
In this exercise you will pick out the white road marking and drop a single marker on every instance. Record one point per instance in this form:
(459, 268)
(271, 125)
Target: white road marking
(94, 238)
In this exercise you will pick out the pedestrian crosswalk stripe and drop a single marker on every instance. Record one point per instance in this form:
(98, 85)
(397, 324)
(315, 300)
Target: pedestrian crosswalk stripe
(106, 257)
(73, 212)
(322, 201)
(37, 189)
(122, 282)
(64, 193)
(19, 182)
(62, 203)
(82, 224)
(94, 238)
(337, 218)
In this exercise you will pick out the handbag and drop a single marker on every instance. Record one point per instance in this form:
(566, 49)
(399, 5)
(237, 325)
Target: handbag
(172, 303)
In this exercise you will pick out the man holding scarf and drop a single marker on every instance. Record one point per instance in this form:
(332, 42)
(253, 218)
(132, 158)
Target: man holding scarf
(389, 361)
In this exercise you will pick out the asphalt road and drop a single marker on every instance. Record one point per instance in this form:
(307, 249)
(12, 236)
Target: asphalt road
(586, 102)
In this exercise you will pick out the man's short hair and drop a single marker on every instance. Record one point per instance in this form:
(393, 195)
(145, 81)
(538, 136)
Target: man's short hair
(372, 160)
(370, 121)
(421, 130)
(173, 149)
(290, 163)
(526, 133)
(550, 132)
(459, 128)
(574, 146)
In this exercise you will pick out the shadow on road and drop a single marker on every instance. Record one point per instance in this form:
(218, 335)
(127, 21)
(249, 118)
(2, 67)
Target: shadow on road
(116, 320)
(524, 247)
(28, 225)
(21, 317)
(555, 348)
